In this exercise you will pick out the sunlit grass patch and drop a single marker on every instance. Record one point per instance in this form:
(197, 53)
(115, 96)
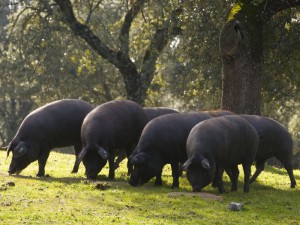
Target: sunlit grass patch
(66, 198)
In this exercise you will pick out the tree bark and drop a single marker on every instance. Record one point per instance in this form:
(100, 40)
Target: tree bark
(241, 74)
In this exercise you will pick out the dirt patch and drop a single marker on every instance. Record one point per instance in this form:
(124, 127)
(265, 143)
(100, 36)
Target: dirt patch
(202, 195)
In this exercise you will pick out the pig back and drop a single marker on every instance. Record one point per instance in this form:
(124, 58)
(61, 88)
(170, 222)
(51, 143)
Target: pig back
(274, 138)
(227, 140)
(166, 135)
(153, 112)
(115, 124)
(57, 123)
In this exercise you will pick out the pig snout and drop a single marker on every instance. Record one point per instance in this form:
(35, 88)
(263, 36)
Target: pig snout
(12, 167)
(12, 170)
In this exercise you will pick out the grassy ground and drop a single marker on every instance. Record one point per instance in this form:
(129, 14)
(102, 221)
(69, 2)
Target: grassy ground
(65, 198)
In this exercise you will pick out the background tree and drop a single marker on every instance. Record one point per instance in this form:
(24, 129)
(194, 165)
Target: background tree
(37, 67)
(281, 80)
(42, 60)
(136, 79)
(15, 101)
(190, 66)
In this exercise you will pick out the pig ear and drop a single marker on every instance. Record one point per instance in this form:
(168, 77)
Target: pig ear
(20, 150)
(103, 153)
(205, 164)
(9, 149)
(81, 156)
(138, 159)
(187, 164)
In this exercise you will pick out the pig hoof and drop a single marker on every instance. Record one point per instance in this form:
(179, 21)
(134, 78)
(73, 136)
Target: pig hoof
(293, 185)
(40, 175)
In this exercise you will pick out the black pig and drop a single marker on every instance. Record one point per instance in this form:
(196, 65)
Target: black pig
(151, 113)
(217, 113)
(54, 125)
(162, 142)
(219, 143)
(274, 140)
(113, 125)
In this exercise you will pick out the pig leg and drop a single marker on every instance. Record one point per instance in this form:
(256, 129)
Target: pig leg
(42, 162)
(260, 166)
(234, 177)
(111, 163)
(218, 177)
(229, 173)
(129, 168)
(77, 149)
(247, 173)
(180, 172)
(158, 180)
(175, 174)
(289, 168)
(121, 157)
(214, 183)
(129, 151)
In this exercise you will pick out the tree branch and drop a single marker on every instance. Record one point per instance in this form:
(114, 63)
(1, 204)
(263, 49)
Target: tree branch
(270, 8)
(129, 17)
(16, 21)
(116, 58)
(91, 10)
(160, 39)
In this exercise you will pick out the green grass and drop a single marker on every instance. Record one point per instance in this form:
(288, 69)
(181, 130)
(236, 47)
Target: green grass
(65, 198)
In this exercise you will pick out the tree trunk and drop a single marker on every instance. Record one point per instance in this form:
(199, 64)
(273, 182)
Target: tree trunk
(241, 74)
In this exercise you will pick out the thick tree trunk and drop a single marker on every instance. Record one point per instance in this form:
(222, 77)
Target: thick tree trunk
(241, 75)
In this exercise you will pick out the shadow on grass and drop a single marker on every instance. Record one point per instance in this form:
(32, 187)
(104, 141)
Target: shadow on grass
(277, 170)
(71, 180)
(121, 182)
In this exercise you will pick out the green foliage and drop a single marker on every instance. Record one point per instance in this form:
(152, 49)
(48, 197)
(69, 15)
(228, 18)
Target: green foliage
(65, 198)
(191, 65)
(43, 61)
(234, 10)
(281, 79)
